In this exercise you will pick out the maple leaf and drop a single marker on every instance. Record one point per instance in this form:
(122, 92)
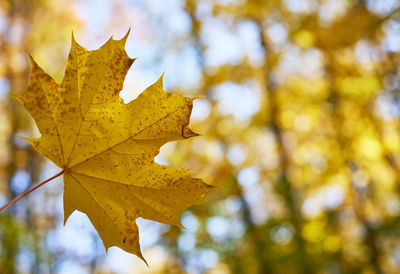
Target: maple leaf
(106, 148)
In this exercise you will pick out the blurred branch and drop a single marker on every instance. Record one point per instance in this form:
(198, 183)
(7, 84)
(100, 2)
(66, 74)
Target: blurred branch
(223, 74)
(283, 184)
(370, 239)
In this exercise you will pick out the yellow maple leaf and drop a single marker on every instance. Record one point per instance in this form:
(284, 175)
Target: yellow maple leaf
(106, 148)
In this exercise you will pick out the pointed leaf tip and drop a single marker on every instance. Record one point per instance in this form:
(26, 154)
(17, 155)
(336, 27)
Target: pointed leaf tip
(19, 98)
(32, 62)
(180, 225)
(161, 80)
(131, 61)
(73, 41)
(143, 259)
(126, 36)
(188, 133)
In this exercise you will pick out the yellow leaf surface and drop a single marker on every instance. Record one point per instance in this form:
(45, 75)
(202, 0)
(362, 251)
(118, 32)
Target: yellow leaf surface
(107, 148)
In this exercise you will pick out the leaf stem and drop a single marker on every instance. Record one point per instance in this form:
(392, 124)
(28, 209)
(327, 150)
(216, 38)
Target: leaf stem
(30, 190)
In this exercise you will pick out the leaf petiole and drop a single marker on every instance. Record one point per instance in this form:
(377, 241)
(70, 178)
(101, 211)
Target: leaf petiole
(30, 190)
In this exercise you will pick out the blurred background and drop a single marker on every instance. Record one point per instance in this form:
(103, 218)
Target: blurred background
(299, 124)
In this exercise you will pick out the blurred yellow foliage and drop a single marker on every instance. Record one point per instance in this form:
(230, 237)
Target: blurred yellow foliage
(300, 125)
